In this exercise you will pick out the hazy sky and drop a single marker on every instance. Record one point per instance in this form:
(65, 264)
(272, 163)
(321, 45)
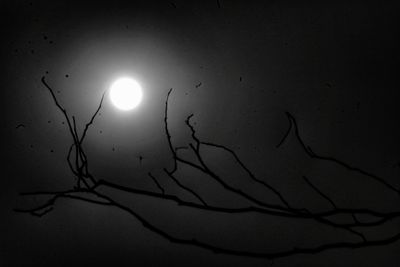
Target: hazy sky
(332, 65)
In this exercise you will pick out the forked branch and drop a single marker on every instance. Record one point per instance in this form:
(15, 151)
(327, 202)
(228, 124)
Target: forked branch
(90, 192)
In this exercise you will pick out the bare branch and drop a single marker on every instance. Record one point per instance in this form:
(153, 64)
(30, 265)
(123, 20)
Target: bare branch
(194, 137)
(59, 106)
(157, 183)
(204, 168)
(209, 172)
(191, 191)
(91, 120)
(311, 153)
(267, 255)
(174, 156)
(180, 202)
(286, 134)
(48, 205)
(319, 191)
(90, 194)
(252, 176)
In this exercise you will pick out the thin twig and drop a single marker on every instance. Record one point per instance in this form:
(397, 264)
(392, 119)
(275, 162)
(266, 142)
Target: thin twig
(186, 188)
(312, 154)
(157, 183)
(319, 191)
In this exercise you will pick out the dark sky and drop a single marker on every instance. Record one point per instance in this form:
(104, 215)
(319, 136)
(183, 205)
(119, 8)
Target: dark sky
(332, 65)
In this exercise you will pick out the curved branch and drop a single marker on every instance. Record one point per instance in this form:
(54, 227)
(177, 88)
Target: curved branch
(312, 154)
(171, 147)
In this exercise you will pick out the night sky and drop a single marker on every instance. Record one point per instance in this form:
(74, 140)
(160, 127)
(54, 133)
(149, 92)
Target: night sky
(238, 66)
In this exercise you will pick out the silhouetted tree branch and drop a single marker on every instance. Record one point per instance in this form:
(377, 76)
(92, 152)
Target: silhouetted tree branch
(88, 189)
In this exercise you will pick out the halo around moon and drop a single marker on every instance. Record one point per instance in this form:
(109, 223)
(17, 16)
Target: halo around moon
(126, 93)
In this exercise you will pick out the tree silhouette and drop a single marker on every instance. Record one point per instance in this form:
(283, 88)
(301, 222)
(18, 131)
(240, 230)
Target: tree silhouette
(357, 222)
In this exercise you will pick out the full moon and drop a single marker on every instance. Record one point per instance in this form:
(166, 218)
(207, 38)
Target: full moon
(126, 93)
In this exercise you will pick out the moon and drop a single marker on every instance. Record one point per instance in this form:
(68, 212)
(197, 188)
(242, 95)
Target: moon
(126, 93)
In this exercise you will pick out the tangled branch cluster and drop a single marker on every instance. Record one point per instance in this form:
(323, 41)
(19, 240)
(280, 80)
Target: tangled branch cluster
(87, 189)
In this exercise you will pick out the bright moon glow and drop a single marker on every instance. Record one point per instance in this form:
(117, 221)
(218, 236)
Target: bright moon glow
(125, 93)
